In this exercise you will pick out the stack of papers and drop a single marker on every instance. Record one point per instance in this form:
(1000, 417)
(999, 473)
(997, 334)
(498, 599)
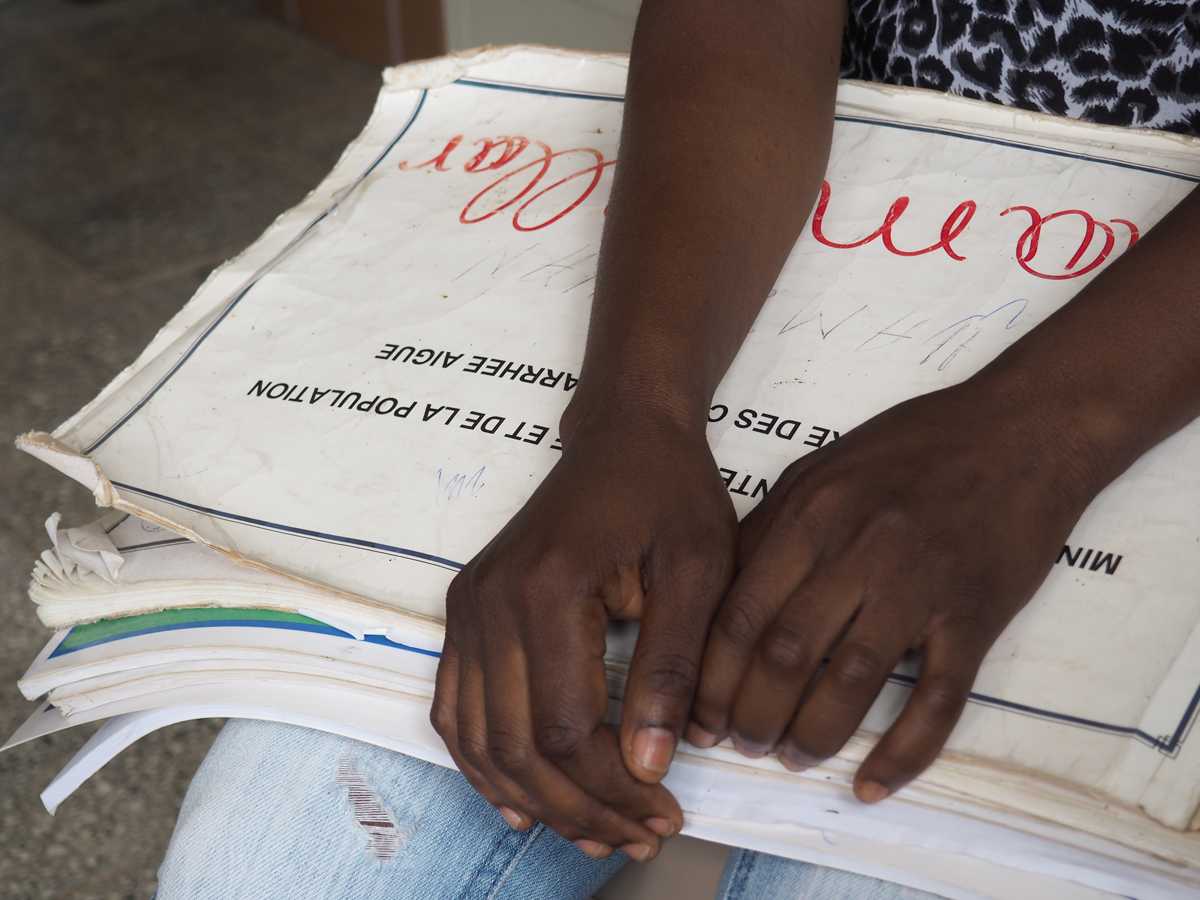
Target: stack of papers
(347, 412)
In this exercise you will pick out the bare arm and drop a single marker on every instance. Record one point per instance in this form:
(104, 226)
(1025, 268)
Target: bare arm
(633, 521)
(724, 143)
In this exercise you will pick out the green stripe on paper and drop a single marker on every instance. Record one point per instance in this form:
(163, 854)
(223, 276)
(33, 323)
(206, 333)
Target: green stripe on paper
(109, 629)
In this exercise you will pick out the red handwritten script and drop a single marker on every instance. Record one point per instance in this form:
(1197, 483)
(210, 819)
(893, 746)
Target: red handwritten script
(537, 205)
(540, 186)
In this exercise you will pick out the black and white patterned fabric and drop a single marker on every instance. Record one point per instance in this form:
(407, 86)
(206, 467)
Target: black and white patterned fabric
(1116, 62)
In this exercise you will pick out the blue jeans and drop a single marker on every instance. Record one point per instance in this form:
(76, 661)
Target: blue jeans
(288, 813)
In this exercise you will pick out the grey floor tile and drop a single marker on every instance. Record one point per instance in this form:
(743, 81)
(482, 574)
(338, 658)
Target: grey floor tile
(141, 143)
(171, 135)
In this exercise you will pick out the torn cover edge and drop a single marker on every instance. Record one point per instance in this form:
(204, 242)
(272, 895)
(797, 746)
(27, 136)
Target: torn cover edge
(83, 469)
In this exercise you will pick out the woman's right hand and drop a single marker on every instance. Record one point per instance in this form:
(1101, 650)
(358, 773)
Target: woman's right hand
(633, 522)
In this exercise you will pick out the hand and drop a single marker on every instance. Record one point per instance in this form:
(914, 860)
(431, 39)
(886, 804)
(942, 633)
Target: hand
(632, 523)
(926, 528)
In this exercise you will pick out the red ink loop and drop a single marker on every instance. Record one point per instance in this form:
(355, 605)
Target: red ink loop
(1134, 234)
(596, 168)
(438, 162)
(955, 224)
(543, 164)
(1028, 242)
(513, 147)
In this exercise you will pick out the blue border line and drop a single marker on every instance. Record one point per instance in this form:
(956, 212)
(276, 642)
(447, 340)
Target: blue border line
(516, 88)
(860, 120)
(248, 623)
(360, 543)
(1167, 746)
(165, 542)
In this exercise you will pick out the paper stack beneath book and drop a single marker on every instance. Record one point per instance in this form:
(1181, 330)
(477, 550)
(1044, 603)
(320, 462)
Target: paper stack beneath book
(348, 411)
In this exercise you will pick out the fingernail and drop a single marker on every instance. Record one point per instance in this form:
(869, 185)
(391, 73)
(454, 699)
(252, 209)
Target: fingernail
(653, 748)
(698, 737)
(594, 849)
(871, 791)
(512, 817)
(749, 748)
(640, 852)
(661, 827)
(795, 761)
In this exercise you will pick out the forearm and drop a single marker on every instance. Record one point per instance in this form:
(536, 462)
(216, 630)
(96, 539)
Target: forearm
(1117, 369)
(726, 132)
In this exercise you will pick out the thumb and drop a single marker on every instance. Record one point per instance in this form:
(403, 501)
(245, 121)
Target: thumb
(680, 602)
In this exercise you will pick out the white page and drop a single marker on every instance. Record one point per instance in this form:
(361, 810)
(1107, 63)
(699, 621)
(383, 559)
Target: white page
(143, 662)
(955, 853)
(251, 422)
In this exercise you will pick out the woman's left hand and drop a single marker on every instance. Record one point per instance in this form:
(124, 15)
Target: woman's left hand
(927, 528)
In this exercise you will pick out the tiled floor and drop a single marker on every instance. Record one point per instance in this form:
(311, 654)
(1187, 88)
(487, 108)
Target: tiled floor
(141, 143)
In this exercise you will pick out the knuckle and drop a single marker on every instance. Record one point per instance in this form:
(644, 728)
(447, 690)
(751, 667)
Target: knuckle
(710, 710)
(559, 739)
(548, 576)
(473, 749)
(460, 585)
(457, 601)
(894, 519)
(857, 666)
(809, 749)
(822, 502)
(442, 719)
(671, 675)
(784, 648)
(701, 572)
(509, 753)
(738, 622)
(585, 821)
(969, 627)
(943, 696)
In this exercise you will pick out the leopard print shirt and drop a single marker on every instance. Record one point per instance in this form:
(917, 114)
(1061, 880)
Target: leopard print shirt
(1115, 62)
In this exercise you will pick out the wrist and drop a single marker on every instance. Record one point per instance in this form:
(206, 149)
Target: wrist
(1074, 444)
(597, 411)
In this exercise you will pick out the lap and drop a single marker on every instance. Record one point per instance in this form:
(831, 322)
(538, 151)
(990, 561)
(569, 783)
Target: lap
(294, 814)
(285, 812)
(759, 876)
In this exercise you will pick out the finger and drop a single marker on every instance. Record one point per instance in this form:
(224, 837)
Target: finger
(843, 693)
(788, 656)
(569, 705)
(951, 661)
(761, 520)
(685, 587)
(599, 769)
(556, 800)
(471, 751)
(568, 690)
(443, 714)
(784, 559)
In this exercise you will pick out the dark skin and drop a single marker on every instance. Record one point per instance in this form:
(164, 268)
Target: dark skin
(926, 528)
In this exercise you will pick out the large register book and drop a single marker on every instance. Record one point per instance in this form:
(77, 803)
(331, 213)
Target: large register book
(348, 411)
